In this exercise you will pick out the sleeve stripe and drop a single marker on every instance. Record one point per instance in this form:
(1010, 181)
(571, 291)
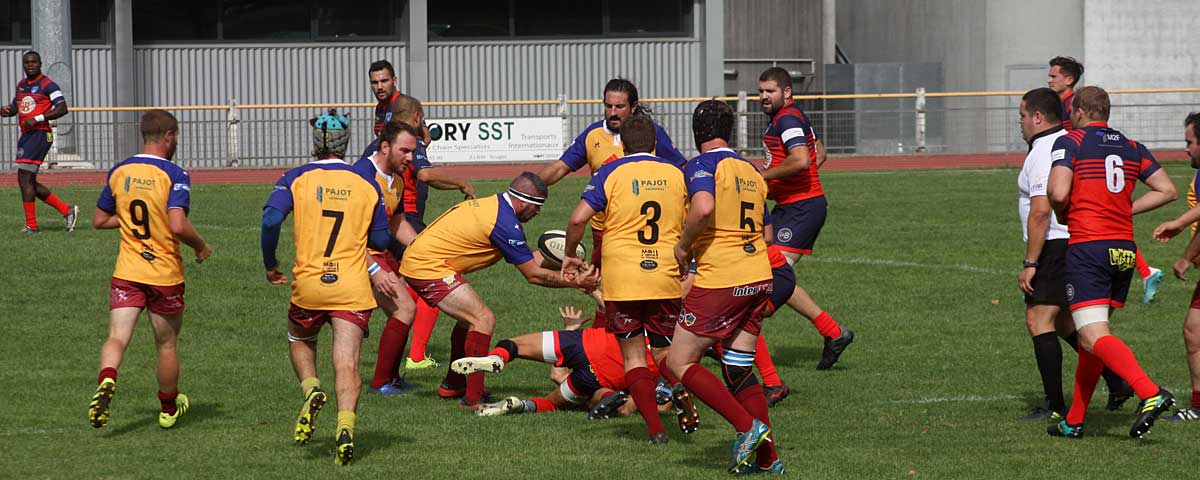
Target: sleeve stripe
(55, 95)
(792, 133)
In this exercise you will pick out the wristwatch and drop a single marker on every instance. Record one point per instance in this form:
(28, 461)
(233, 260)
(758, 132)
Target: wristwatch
(1029, 264)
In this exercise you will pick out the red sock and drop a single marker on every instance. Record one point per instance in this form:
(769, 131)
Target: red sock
(53, 201)
(543, 405)
(713, 393)
(826, 325)
(641, 387)
(1119, 358)
(666, 373)
(1195, 398)
(391, 349)
(766, 366)
(502, 353)
(106, 372)
(755, 402)
(422, 328)
(1143, 268)
(30, 214)
(1087, 373)
(458, 342)
(168, 402)
(476, 346)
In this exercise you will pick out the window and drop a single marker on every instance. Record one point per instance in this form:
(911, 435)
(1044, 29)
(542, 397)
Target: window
(372, 18)
(513, 19)
(14, 22)
(174, 21)
(89, 21)
(263, 20)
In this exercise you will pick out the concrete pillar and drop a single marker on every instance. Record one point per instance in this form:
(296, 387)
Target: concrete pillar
(417, 70)
(712, 46)
(51, 24)
(126, 135)
(829, 31)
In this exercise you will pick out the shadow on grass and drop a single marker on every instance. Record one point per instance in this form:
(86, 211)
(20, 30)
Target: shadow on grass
(323, 444)
(197, 413)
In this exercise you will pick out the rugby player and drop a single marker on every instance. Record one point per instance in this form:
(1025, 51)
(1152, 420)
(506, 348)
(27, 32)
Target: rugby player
(791, 173)
(468, 237)
(1091, 189)
(339, 214)
(644, 199)
(383, 86)
(37, 102)
(148, 198)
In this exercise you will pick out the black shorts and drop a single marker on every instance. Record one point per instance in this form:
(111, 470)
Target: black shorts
(784, 283)
(798, 224)
(1050, 280)
(569, 353)
(1099, 272)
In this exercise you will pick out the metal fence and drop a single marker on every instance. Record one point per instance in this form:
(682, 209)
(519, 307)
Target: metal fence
(275, 136)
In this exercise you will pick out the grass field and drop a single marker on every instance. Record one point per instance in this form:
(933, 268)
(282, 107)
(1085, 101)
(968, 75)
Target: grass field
(922, 264)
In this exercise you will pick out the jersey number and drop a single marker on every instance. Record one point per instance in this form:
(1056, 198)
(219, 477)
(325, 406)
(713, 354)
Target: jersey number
(747, 221)
(1114, 175)
(654, 210)
(139, 215)
(337, 228)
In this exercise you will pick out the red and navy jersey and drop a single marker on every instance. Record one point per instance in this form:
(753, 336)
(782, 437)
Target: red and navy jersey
(36, 97)
(415, 191)
(1106, 167)
(1066, 109)
(383, 112)
(789, 129)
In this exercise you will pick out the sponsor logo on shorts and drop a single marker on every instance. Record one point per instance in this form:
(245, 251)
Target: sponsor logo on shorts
(450, 281)
(1121, 258)
(751, 290)
(1070, 293)
(687, 318)
(20, 152)
(784, 235)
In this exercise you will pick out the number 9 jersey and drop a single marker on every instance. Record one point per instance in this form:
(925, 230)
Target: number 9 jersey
(140, 191)
(645, 200)
(335, 209)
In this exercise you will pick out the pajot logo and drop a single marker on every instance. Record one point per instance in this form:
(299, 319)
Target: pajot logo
(636, 190)
(320, 194)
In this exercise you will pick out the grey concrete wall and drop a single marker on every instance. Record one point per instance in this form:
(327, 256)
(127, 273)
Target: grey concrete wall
(774, 29)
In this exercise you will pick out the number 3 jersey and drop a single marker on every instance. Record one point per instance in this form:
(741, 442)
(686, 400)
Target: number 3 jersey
(335, 209)
(731, 251)
(140, 191)
(645, 200)
(1106, 166)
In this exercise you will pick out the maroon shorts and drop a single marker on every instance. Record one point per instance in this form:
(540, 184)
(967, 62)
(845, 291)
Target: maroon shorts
(162, 300)
(314, 319)
(597, 239)
(433, 291)
(720, 312)
(654, 316)
(1196, 297)
(387, 262)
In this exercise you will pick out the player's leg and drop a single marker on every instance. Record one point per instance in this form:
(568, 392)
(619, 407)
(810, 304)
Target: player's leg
(1047, 352)
(304, 327)
(28, 195)
(1191, 339)
(121, 322)
(400, 311)
(45, 195)
(538, 346)
(739, 379)
(466, 306)
(348, 334)
(641, 382)
(1095, 338)
(422, 329)
(1151, 277)
(837, 336)
(166, 333)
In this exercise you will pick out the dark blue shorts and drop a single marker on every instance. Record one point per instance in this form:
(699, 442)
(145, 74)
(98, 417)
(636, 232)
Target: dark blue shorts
(570, 354)
(1098, 273)
(33, 146)
(783, 284)
(798, 224)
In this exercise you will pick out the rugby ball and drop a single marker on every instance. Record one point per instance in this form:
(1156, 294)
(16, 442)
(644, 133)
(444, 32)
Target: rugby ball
(553, 245)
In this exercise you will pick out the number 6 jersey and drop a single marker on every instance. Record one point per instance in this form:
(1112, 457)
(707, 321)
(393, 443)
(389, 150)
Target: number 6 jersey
(645, 200)
(140, 191)
(336, 207)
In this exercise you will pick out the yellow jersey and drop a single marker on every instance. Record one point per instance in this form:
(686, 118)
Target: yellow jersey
(335, 209)
(470, 236)
(597, 146)
(140, 191)
(731, 251)
(645, 200)
(390, 186)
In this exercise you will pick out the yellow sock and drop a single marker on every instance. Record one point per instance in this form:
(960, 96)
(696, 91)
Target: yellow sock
(346, 421)
(308, 384)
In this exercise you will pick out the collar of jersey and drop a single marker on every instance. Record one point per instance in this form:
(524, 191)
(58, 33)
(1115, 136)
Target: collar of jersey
(721, 149)
(151, 156)
(1097, 125)
(1044, 133)
(781, 109)
(36, 79)
(328, 161)
(379, 170)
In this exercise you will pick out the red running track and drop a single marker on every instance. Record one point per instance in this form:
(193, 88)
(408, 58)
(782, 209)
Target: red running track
(247, 176)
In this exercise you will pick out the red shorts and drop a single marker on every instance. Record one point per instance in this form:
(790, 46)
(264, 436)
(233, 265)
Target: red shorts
(720, 312)
(1196, 297)
(162, 300)
(597, 240)
(654, 316)
(314, 319)
(433, 291)
(387, 261)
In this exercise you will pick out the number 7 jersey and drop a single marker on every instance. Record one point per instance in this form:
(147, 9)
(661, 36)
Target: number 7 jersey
(140, 191)
(645, 200)
(335, 209)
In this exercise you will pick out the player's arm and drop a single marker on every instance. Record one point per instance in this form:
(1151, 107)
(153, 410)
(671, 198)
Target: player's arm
(588, 278)
(553, 172)
(1058, 189)
(1170, 229)
(579, 219)
(1039, 224)
(402, 231)
(1162, 191)
(797, 161)
(183, 229)
(699, 216)
(794, 135)
(103, 220)
(574, 158)
(272, 223)
(822, 155)
(438, 178)
(57, 111)
(1189, 254)
(10, 109)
